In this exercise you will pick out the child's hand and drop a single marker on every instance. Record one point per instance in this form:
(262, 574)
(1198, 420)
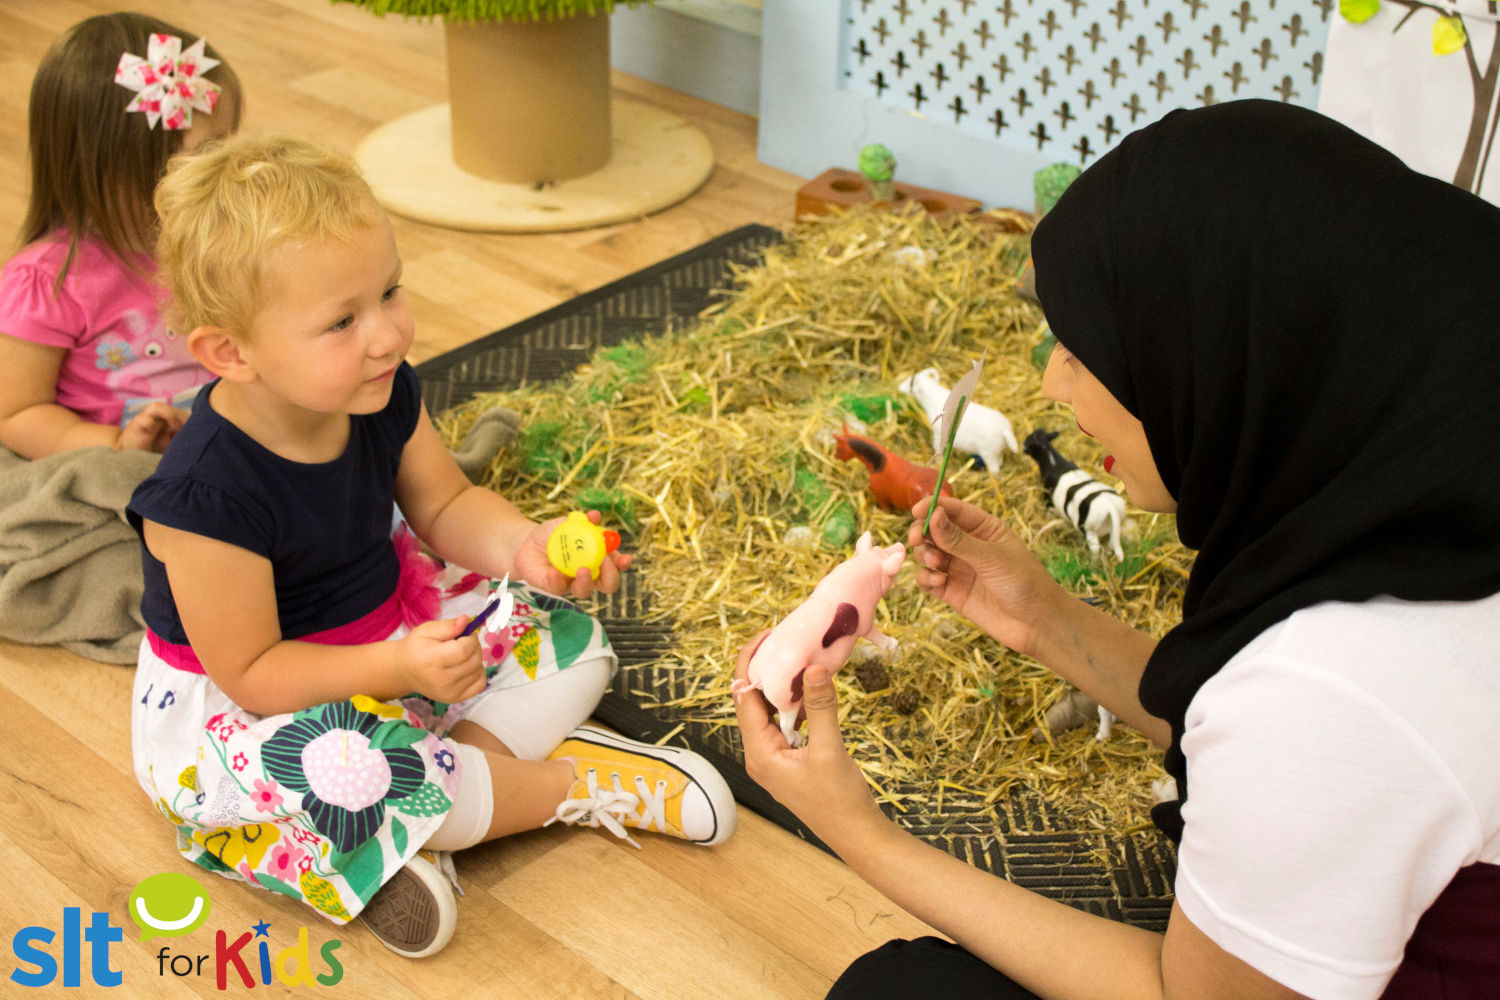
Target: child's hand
(533, 566)
(152, 429)
(439, 662)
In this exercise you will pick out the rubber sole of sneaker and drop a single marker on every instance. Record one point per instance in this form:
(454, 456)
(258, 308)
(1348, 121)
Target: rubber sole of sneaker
(715, 788)
(414, 914)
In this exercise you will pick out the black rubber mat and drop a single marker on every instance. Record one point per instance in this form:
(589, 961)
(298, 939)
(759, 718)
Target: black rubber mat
(551, 344)
(1028, 846)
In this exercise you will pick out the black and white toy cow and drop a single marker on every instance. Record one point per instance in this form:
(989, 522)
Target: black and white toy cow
(1088, 504)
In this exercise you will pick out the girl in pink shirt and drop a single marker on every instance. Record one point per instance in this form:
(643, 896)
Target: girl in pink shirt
(87, 356)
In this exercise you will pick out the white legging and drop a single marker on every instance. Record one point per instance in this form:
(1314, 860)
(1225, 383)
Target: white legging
(532, 720)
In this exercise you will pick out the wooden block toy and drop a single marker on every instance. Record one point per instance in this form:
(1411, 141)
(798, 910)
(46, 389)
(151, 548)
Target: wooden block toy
(835, 189)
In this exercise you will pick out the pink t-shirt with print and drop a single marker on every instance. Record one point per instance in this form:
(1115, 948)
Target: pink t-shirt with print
(120, 354)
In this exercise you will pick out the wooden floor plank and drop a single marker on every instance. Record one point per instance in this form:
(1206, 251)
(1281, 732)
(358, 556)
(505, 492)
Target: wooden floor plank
(89, 824)
(787, 892)
(42, 904)
(94, 697)
(646, 931)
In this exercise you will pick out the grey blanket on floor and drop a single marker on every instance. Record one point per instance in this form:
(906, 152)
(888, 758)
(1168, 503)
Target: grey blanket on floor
(70, 566)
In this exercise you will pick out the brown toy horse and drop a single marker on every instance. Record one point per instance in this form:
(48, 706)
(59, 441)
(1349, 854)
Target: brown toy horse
(896, 483)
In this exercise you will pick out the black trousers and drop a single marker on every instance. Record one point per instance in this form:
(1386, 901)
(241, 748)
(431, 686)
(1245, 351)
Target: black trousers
(928, 968)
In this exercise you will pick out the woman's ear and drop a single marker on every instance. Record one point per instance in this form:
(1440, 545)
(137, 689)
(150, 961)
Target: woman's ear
(221, 353)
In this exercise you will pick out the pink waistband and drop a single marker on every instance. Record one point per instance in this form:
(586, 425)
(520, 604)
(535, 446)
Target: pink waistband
(373, 627)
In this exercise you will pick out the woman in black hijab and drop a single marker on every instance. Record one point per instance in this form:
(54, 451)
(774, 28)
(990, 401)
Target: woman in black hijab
(1292, 341)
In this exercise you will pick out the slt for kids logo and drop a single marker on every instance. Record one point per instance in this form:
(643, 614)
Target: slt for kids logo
(168, 905)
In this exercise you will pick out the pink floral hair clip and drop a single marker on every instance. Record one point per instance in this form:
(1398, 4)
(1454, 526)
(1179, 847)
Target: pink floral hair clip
(169, 82)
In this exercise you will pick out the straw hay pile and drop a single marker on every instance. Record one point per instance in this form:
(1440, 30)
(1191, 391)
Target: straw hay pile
(693, 441)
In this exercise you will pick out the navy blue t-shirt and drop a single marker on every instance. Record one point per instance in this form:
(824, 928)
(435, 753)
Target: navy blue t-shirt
(325, 527)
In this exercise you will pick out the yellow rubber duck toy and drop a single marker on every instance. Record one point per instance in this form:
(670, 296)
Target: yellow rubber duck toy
(579, 542)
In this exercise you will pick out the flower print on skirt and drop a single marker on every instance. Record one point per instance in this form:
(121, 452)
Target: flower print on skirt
(326, 804)
(320, 805)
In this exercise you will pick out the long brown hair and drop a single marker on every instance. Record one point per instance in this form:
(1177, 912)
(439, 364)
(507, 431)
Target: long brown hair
(94, 168)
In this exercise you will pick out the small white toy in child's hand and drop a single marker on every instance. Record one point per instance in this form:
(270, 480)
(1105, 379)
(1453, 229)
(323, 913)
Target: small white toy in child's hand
(493, 617)
(823, 629)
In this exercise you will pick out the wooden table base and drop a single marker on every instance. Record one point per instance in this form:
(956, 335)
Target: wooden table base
(657, 160)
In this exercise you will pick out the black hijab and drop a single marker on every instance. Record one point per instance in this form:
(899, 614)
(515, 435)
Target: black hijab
(1310, 334)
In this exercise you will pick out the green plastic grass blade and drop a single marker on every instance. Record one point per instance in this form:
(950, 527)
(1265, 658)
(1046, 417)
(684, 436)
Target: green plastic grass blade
(943, 466)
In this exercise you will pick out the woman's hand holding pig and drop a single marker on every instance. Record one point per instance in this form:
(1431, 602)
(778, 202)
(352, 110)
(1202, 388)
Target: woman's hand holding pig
(818, 781)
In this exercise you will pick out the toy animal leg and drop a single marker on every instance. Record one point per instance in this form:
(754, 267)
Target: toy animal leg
(1106, 724)
(1093, 541)
(879, 638)
(788, 721)
(1114, 536)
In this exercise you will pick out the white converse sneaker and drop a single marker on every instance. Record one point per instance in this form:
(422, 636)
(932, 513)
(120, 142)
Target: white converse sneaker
(621, 783)
(414, 913)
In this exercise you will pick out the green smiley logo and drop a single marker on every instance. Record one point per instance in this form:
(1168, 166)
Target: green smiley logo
(168, 905)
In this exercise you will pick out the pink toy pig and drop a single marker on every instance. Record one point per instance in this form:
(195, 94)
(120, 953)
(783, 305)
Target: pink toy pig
(823, 629)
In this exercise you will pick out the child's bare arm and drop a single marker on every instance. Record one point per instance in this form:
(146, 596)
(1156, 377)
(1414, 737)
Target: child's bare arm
(227, 600)
(31, 422)
(463, 523)
(479, 529)
(33, 425)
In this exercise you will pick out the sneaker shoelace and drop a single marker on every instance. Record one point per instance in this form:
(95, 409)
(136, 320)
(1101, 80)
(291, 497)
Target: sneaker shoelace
(608, 807)
(444, 862)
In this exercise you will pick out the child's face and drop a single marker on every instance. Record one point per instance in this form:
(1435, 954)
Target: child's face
(333, 326)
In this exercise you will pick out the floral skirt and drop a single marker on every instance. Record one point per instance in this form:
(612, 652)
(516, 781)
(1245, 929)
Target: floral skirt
(326, 804)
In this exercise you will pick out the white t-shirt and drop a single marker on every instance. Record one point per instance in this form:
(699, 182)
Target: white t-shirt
(1341, 768)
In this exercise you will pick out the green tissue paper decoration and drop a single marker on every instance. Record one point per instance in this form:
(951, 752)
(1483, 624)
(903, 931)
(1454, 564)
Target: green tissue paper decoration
(615, 367)
(1071, 564)
(812, 497)
(878, 164)
(1071, 567)
(617, 507)
(1049, 183)
(473, 11)
(1043, 350)
(545, 454)
(871, 409)
(694, 400)
(551, 448)
(630, 356)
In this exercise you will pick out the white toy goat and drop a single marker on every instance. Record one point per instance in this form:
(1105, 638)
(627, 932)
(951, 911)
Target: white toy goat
(982, 431)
